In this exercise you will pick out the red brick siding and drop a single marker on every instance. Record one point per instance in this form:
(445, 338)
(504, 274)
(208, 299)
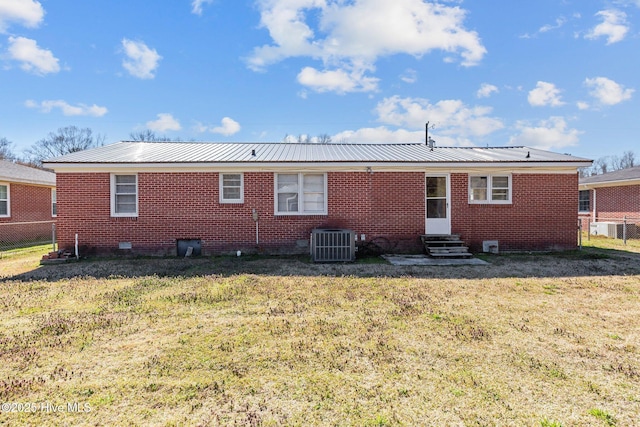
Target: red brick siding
(618, 202)
(542, 215)
(185, 206)
(388, 207)
(613, 204)
(28, 203)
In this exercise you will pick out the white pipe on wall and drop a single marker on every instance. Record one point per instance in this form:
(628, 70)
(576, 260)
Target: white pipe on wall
(254, 214)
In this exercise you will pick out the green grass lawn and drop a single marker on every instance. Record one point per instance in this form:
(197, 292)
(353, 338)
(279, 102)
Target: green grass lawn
(528, 341)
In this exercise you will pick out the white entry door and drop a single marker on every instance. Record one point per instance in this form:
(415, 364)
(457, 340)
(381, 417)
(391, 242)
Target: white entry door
(437, 204)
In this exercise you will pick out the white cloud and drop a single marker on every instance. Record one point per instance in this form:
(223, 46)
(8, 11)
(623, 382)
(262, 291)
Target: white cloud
(228, 127)
(409, 76)
(33, 58)
(582, 105)
(607, 92)
(339, 81)
(486, 90)
(614, 26)
(379, 134)
(28, 13)
(551, 134)
(164, 123)
(545, 94)
(141, 61)
(351, 36)
(67, 109)
(451, 118)
(559, 23)
(196, 6)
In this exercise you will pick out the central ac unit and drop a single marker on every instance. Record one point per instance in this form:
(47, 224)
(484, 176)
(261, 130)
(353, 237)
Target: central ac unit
(608, 229)
(333, 245)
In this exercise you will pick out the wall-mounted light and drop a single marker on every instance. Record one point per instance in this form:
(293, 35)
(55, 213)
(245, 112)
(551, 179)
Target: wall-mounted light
(369, 170)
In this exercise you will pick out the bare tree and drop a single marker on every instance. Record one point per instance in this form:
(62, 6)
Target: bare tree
(324, 138)
(609, 164)
(148, 135)
(304, 139)
(66, 140)
(628, 160)
(5, 149)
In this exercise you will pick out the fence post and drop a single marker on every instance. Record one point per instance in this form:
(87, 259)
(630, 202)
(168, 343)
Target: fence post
(589, 230)
(580, 233)
(53, 237)
(624, 229)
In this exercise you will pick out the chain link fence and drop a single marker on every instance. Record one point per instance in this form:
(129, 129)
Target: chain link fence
(16, 235)
(625, 228)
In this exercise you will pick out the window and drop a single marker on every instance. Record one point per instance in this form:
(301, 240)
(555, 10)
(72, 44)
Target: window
(4, 200)
(584, 201)
(124, 195)
(231, 188)
(490, 189)
(54, 203)
(301, 193)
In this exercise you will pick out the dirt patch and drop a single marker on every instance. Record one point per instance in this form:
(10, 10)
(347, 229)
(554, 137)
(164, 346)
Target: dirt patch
(589, 262)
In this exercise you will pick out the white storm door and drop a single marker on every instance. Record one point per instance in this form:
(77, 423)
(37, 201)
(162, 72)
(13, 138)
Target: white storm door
(437, 204)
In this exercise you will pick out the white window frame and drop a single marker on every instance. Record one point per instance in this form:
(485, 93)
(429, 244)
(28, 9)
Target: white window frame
(300, 210)
(588, 200)
(113, 196)
(8, 200)
(54, 203)
(221, 188)
(490, 188)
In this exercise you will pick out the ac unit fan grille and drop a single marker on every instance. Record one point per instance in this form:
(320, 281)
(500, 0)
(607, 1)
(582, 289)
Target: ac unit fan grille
(333, 245)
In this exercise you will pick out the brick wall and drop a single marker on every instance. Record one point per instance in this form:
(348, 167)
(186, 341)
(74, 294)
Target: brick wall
(387, 207)
(28, 203)
(618, 202)
(542, 216)
(185, 206)
(613, 204)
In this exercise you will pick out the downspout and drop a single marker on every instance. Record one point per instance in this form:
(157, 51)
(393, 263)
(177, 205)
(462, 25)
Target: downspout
(595, 215)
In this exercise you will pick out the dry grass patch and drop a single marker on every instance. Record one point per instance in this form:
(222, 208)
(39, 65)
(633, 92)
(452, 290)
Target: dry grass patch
(517, 343)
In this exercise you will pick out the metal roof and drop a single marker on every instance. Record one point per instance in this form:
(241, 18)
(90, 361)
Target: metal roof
(13, 172)
(127, 152)
(629, 174)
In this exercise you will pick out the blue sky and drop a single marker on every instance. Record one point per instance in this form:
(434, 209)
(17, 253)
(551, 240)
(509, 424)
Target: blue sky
(557, 75)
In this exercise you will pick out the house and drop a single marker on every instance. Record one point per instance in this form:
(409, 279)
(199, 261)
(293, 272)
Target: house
(609, 198)
(146, 197)
(27, 203)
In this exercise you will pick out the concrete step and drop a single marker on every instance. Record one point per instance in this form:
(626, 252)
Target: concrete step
(451, 255)
(443, 243)
(455, 249)
(440, 237)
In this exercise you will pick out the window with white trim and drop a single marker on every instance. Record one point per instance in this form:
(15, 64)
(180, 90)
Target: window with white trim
(4, 200)
(490, 189)
(124, 195)
(54, 202)
(231, 188)
(584, 201)
(301, 193)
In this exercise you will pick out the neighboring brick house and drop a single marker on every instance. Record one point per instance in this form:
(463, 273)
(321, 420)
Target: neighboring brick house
(146, 197)
(610, 197)
(27, 203)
